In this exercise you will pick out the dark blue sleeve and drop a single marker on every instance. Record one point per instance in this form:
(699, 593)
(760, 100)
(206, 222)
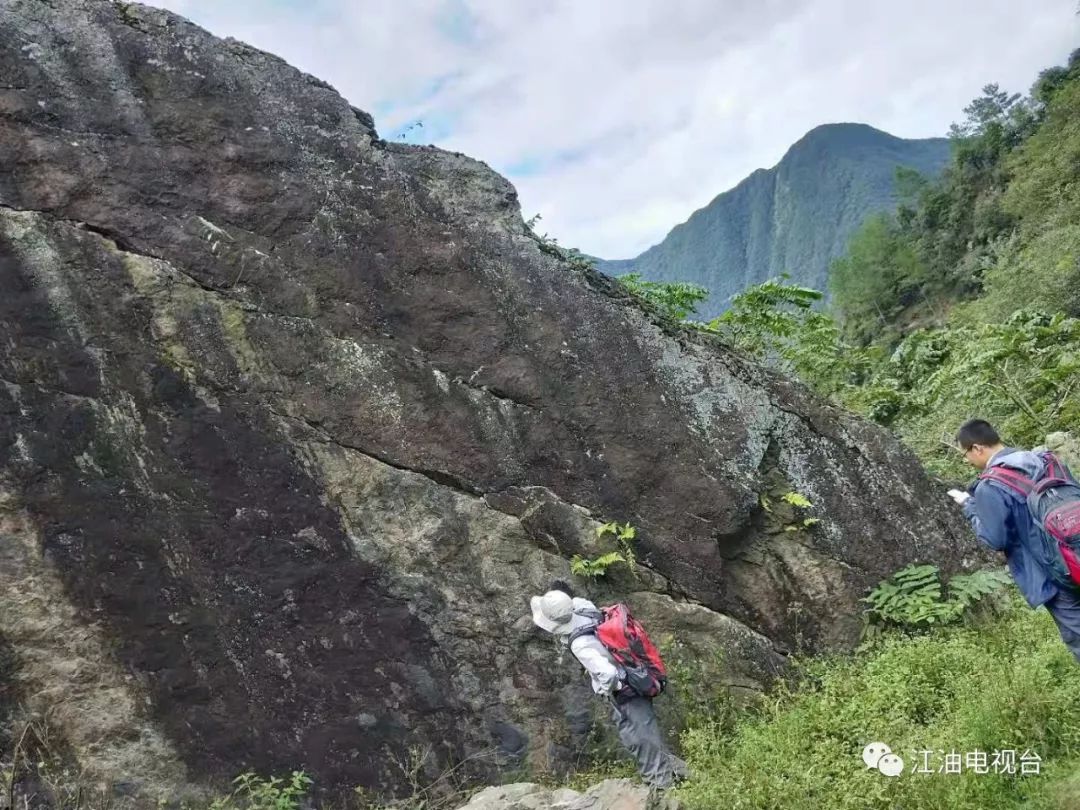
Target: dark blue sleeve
(988, 512)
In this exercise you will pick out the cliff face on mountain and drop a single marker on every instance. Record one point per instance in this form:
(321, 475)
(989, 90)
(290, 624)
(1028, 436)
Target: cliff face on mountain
(294, 420)
(794, 218)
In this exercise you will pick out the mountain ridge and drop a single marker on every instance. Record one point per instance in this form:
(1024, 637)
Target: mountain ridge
(793, 218)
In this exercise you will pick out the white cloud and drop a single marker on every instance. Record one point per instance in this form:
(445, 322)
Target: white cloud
(616, 120)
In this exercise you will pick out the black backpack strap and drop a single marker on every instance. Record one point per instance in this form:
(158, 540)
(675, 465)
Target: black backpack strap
(588, 629)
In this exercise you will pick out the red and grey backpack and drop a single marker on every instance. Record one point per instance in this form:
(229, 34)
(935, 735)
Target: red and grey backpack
(623, 636)
(1054, 502)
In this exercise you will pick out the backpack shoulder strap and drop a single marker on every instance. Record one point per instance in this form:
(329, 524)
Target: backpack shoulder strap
(1054, 468)
(587, 630)
(595, 616)
(1013, 479)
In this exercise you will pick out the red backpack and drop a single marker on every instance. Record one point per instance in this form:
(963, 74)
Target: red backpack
(1054, 502)
(624, 637)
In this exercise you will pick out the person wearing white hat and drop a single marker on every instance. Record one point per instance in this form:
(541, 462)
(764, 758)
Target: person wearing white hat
(563, 615)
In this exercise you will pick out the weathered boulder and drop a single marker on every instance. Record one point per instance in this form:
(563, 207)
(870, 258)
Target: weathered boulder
(293, 420)
(1067, 447)
(611, 794)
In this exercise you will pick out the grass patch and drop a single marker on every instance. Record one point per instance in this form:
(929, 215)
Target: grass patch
(1008, 683)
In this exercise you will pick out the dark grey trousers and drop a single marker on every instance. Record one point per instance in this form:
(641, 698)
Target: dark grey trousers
(640, 734)
(1065, 608)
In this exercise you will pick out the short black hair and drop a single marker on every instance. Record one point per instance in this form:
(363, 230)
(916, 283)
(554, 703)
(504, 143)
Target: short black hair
(977, 431)
(562, 585)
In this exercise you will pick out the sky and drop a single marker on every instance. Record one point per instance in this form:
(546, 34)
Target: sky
(615, 120)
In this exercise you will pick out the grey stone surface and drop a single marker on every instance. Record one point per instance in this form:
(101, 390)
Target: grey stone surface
(611, 794)
(1067, 448)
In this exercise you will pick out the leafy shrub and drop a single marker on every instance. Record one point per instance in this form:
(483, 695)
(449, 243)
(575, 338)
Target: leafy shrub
(676, 300)
(598, 566)
(256, 793)
(1038, 272)
(776, 322)
(1021, 374)
(791, 519)
(796, 499)
(915, 598)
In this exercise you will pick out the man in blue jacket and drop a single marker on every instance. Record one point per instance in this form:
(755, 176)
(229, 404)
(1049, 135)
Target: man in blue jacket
(1000, 517)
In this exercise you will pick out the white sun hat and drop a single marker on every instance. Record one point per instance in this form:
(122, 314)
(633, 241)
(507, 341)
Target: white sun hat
(553, 612)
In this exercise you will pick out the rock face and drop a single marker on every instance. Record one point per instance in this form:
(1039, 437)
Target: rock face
(612, 794)
(1067, 447)
(293, 421)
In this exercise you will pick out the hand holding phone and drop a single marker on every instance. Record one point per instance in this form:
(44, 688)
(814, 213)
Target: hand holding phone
(959, 495)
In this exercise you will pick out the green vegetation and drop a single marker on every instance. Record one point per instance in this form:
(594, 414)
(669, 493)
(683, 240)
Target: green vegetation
(876, 277)
(966, 301)
(776, 322)
(1020, 373)
(674, 299)
(999, 225)
(256, 793)
(598, 566)
(595, 567)
(1009, 684)
(797, 499)
(791, 519)
(915, 598)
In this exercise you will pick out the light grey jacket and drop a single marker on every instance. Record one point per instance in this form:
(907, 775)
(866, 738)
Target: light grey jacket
(591, 653)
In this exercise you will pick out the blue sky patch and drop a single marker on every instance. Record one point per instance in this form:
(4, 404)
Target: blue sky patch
(536, 163)
(425, 94)
(431, 129)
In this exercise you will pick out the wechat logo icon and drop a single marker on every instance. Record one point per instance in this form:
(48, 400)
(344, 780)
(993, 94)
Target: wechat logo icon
(877, 755)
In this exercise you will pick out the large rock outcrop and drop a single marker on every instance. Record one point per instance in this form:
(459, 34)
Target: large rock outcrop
(293, 420)
(1066, 446)
(612, 794)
